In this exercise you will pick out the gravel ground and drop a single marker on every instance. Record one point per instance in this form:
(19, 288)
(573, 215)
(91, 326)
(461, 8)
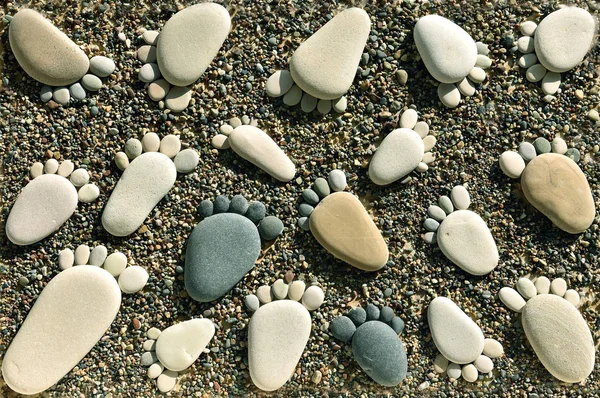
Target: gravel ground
(506, 110)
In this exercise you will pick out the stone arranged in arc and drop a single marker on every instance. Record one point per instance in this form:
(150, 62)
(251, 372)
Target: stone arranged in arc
(178, 346)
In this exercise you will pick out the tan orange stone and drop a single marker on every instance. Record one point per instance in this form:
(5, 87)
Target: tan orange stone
(557, 187)
(342, 226)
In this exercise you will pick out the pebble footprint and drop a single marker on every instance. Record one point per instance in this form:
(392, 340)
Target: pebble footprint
(279, 329)
(558, 44)
(225, 245)
(341, 224)
(463, 349)
(553, 182)
(174, 350)
(555, 329)
(145, 181)
(322, 69)
(402, 151)
(375, 343)
(48, 201)
(461, 234)
(256, 146)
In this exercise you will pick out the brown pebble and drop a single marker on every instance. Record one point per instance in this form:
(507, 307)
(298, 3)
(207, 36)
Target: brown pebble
(289, 277)
(52, 105)
(136, 323)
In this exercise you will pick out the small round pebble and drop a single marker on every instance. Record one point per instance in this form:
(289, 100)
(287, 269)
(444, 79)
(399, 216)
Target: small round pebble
(256, 211)
(270, 228)
(150, 142)
(158, 89)
(337, 180)
(342, 328)
(313, 298)
(88, 193)
(121, 160)
(155, 370)
(153, 333)
(372, 312)
(238, 205)
(170, 145)
(469, 373)
(559, 146)
(310, 196)
(305, 209)
(573, 154)
(542, 145)
(91, 82)
(148, 358)
(61, 95)
(446, 204)
(280, 289)
(397, 324)
(150, 37)
(77, 92)
(304, 223)
(321, 187)
(387, 314)
(166, 381)
(133, 148)
(358, 315)
(492, 348)
(115, 263)
(440, 364)
(205, 208)
(133, 279)
(186, 161)
(46, 93)
(66, 259)
(454, 371)
(149, 73)
(484, 364)
(221, 204)
(527, 151)
(252, 302)
(80, 177)
(51, 166)
(102, 66)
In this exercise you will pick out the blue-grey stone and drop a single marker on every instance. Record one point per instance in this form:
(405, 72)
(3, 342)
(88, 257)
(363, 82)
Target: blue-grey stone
(342, 328)
(252, 302)
(305, 209)
(431, 225)
(91, 82)
(304, 223)
(238, 205)
(310, 196)
(542, 145)
(380, 353)
(205, 209)
(358, 315)
(446, 204)
(321, 187)
(46, 93)
(397, 324)
(220, 251)
(256, 211)
(270, 228)
(221, 204)
(77, 91)
(386, 315)
(527, 151)
(574, 154)
(372, 312)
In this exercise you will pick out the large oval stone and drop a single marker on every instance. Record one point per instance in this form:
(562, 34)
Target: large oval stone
(557, 187)
(67, 320)
(341, 225)
(560, 337)
(220, 251)
(44, 52)
(563, 38)
(40, 209)
(254, 145)
(456, 336)
(178, 346)
(398, 154)
(467, 241)
(146, 180)
(190, 40)
(380, 353)
(448, 52)
(277, 335)
(324, 66)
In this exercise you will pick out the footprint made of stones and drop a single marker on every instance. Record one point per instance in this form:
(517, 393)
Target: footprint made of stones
(402, 151)
(279, 330)
(146, 179)
(452, 57)
(174, 350)
(50, 57)
(557, 45)
(341, 224)
(48, 200)
(463, 349)
(225, 245)
(375, 343)
(554, 327)
(130, 279)
(180, 54)
(68, 318)
(461, 234)
(553, 182)
(255, 146)
(322, 69)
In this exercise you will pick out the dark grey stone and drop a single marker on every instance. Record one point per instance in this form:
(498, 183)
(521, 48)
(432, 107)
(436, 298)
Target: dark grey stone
(304, 223)
(358, 315)
(221, 204)
(397, 324)
(205, 208)
(238, 205)
(310, 196)
(270, 228)
(256, 211)
(220, 251)
(305, 209)
(321, 187)
(386, 315)
(372, 312)
(342, 328)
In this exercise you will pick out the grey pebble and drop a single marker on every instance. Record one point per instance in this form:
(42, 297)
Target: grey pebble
(205, 208)
(310, 196)
(270, 228)
(91, 82)
(446, 204)
(46, 93)
(397, 324)
(238, 205)
(221, 204)
(305, 209)
(387, 314)
(321, 187)
(342, 328)
(252, 302)
(431, 225)
(358, 315)
(527, 151)
(148, 358)
(372, 312)
(574, 154)
(542, 145)
(77, 91)
(304, 223)
(256, 211)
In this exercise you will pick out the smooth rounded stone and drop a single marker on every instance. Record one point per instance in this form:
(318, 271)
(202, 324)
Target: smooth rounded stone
(220, 141)
(324, 106)
(41, 208)
(310, 196)
(91, 82)
(226, 130)
(220, 251)
(525, 44)
(80, 177)
(527, 151)
(296, 290)
(483, 61)
(133, 279)
(190, 40)
(158, 89)
(149, 72)
(121, 160)
(454, 371)
(256, 211)
(148, 358)
(342, 328)
(308, 103)
(431, 225)
(558, 287)
(166, 381)
(255, 146)
(559, 336)
(466, 240)
(150, 142)
(399, 153)
(511, 298)
(68, 318)
(178, 346)
(170, 145)
(133, 148)
(460, 197)
(235, 122)
(559, 146)
(321, 187)
(116, 263)
(527, 60)
(280, 289)
(446, 204)
(325, 64)
(37, 169)
(305, 209)
(82, 255)
(477, 75)
(436, 213)
(564, 37)
(572, 296)
(88, 193)
(357, 315)
(526, 288)
(264, 294)
(455, 334)
(528, 28)
(51, 166)
(186, 161)
(380, 353)
(337, 180)
(178, 98)
(66, 259)
(542, 285)
(149, 345)
(340, 105)
(449, 95)
(252, 302)
(386, 314)
(293, 96)
(270, 228)
(342, 226)
(102, 66)
(221, 204)
(409, 119)
(573, 154)
(512, 164)
(492, 348)
(466, 87)
(205, 208)
(469, 373)
(482, 48)
(373, 312)
(542, 145)
(146, 180)
(277, 335)
(557, 187)
(66, 168)
(421, 128)
(440, 364)
(397, 324)
(304, 223)
(155, 370)
(448, 52)
(551, 82)
(147, 54)
(153, 333)
(43, 51)
(61, 95)
(77, 92)
(430, 237)
(46, 93)
(428, 143)
(279, 83)
(150, 37)
(535, 73)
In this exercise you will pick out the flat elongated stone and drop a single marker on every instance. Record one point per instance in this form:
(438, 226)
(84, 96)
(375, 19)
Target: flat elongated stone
(399, 153)
(178, 346)
(69, 317)
(325, 64)
(557, 187)
(341, 225)
(44, 52)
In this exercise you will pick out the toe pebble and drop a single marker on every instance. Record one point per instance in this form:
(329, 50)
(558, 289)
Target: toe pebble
(511, 298)
(296, 290)
(186, 161)
(358, 315)
(115, 263)
(542, 285)
(572, 296)
(492, 348)
(313, 298)
(526, 287)
(342, 328)
(558, 287)
(280, 289)
(454, 371)
(484, 364)
(512, 164)
(469, 373)
(166, 381)
(88, 193)
(82, 255)
(66, 259)
(170, 145)
(133, 279)
(440, 364)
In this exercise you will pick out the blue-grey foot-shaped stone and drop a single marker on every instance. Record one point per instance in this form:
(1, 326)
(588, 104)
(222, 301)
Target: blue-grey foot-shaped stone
(220, 251)
(380, 353)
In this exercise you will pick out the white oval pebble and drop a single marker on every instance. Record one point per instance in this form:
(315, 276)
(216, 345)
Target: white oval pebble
(477, 75)
(293, 96)
(535, 73)
(170, 145)
(88, 193)
(512, 164)
(421, 128)
(558, 287)
(153, 333)
(115, 263)
(551, 82)
(61, 95)
(220, 141)
(559, 146)
(460, 197)
(51, 166)
(449, 95)
(339, 105)
(158, 89)
(226, 129)
(186, 161)
(525, 44)
(150, 142)
(542, 285)
(409, 119)
(469, 373)
(66, 259)
(528, 28)
(454, 371)
(313, 298)
(102, 66)
(324, 106)
(121, 160)
(572, 296)
(466, 87)
(296, 290)
(149, 345)
(149, 73)
(527, 60)
(440, 364)
(512, 299)
(178, 98)
(82, 255)
(280, 289)
(133, 279)
(337, 180)
(492, 348)
(166, 381)
(147, 54)
(483, 61)
(279, 83)
(155, 370)
(526, 287)
(150, 37)
(527, 151)
(98, 255)
(308, 103)
(66, 168)
(80, 177)
(264, 294)
(37, 169)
